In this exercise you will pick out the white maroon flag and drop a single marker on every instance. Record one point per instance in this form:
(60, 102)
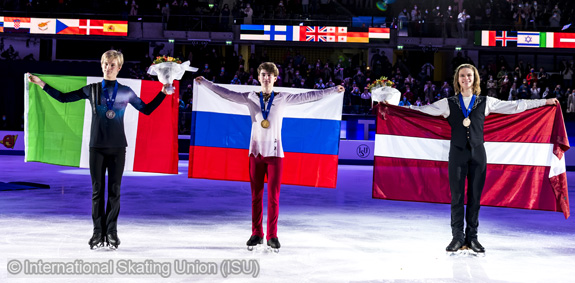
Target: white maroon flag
(525, 158)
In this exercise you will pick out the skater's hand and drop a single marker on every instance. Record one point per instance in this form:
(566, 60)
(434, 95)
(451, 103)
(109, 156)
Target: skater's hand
(164, 89)
(35, 80)
(200, 79)
(340, 88)
(552, 101)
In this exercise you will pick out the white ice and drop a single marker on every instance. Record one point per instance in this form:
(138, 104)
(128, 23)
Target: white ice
(327, 235)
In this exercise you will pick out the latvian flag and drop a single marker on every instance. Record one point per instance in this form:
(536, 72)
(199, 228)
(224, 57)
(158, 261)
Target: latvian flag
(59, 133)
(220, 138)
(525, 156)
(558, 40)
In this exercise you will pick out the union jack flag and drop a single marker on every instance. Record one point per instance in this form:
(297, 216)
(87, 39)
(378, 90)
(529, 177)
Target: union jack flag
(316, 33)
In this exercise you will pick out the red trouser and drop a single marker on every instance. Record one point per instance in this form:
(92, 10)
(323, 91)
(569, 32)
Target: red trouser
(259, 166)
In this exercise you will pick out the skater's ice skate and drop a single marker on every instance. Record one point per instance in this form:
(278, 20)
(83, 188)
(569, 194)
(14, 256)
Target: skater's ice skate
(254, 241)
(113, 240)
(455, 247)
(475, 248)
(97, 241)
(274, 244)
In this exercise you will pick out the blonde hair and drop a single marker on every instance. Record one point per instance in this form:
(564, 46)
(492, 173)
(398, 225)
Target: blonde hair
(113, 54)
(476, 88)
(269, 67)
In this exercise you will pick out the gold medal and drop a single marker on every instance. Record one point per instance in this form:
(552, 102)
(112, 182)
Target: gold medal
(110, 114)
(265, 124)
(466, 122)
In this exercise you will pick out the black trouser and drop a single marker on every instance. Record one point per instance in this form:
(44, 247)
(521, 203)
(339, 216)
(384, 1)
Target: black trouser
(470, 163)
(101, 159)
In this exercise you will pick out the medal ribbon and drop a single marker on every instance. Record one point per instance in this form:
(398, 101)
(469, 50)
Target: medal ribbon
(266, 112)
(466, 111)
(109, 101)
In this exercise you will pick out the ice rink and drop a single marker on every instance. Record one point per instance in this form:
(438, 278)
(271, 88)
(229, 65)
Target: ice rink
(327, 235)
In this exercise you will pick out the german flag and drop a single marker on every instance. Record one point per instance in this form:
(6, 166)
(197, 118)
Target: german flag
(360, 35)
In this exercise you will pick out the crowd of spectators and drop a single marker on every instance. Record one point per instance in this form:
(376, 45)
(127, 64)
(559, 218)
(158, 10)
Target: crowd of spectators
(454, 18)
(414, 18)
(417, 85)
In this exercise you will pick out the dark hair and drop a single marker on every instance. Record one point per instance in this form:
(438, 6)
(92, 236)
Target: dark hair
(269, 67)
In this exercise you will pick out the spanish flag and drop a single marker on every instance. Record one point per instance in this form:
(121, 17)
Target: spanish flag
(117, 28)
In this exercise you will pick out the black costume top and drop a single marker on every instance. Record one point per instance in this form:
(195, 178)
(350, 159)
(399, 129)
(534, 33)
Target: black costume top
(460, 134)
(107, 133)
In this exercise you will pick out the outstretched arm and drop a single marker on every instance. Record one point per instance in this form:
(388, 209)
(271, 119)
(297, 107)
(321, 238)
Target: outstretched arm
(495, 105)
(148, 108)
(299, 98)
(238, 97)
(438, 108)
(56, 94)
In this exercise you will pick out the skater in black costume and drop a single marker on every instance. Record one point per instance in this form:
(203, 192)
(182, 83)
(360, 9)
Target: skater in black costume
(466, 114)
(109, 100)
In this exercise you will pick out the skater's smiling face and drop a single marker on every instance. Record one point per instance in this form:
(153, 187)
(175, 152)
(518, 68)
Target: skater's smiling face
(466, 80)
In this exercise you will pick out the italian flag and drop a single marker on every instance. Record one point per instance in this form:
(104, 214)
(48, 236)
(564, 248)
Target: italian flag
(59, 133)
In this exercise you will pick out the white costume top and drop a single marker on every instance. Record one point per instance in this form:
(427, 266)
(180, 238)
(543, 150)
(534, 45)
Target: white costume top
(267, 141)
(441, 107)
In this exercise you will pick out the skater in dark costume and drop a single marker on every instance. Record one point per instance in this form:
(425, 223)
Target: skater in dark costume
(109, 100)
(466, 114)
(266, 152)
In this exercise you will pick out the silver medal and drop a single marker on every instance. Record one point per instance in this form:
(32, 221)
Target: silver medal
(110, 114)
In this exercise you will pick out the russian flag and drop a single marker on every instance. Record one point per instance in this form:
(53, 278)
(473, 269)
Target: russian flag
(525, 158)
(221, 130)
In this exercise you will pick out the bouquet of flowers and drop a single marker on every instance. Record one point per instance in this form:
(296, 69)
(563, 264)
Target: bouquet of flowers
(169, 69)
(383, 89)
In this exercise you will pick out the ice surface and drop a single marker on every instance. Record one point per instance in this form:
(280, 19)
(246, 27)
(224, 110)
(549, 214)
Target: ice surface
(327, 235)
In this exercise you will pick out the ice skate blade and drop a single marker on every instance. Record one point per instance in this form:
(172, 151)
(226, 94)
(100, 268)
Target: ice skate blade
(471, 252)
(254, 248)
(97, 246)
(461, 252)
(274, 250)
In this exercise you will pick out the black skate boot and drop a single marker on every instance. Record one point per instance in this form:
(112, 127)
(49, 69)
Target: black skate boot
(274, 244)
(454, 247)
(97, 240)
(253, 241)
(113, 240)
(476, 247)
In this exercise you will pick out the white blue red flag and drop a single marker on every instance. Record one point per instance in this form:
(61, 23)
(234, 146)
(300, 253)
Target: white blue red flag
(221, 130)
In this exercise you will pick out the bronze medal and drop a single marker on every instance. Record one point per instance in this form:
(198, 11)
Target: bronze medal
(466, 122)
(265, 123)
(110, 114)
